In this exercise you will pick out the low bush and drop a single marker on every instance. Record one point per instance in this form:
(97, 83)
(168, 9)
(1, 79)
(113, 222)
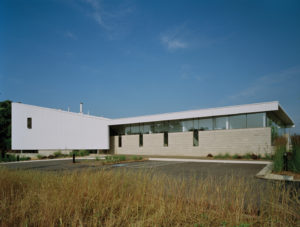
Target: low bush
(136, 157)
(115, 158)
(218, 156)
(247, 156)
(254, 156)
(13, 158)
(80, 153)
(39, 156)
(236, 156)
(210, 156)
(57, 154)
(23, 158)
(268, 156)
(227, 155)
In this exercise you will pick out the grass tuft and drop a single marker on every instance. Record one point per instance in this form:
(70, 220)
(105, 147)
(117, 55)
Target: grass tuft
(135, 198)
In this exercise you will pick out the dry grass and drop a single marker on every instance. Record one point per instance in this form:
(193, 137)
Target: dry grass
(112, 198)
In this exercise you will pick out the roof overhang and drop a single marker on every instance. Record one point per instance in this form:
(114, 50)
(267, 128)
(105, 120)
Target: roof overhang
(211, 112)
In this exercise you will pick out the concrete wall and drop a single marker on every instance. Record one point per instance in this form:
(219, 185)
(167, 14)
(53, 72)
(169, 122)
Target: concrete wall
(236, 141)
(56, 129)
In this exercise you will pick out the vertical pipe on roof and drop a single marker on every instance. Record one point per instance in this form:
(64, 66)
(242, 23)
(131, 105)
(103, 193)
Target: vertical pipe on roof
(81, 107)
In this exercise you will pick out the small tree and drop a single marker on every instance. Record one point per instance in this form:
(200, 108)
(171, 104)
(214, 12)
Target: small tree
(5, 127)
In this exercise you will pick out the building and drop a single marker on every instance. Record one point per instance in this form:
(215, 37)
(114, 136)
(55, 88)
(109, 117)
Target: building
(234, 129)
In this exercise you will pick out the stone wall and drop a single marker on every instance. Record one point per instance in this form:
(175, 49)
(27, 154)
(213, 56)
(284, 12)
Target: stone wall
(235, 141)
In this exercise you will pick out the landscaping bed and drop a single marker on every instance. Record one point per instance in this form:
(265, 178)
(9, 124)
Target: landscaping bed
(289, 173)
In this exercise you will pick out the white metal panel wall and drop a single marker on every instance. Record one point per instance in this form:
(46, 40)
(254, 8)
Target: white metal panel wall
(56, 129)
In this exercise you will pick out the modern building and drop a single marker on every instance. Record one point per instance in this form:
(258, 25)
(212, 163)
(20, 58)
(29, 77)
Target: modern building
(234, 129)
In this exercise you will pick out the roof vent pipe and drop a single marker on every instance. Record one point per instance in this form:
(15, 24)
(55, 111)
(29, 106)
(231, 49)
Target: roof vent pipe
(81, 105)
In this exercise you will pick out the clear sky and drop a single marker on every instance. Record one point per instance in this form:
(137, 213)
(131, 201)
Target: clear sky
(130, 58)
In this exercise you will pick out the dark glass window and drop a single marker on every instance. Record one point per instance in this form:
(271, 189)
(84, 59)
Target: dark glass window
(120, 141)
(29, 122)
(166, 139)
(237, 121)
(141, 140)
(219, 123)
(205, 124)
(187, 125)
(195, 138)
(175, 126)
(255, 120)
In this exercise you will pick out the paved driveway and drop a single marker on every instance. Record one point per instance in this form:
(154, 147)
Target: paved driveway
(172, 168)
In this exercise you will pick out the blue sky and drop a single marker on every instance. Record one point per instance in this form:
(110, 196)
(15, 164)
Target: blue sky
(129, 58)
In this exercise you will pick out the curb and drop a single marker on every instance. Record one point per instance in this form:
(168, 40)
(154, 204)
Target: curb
(54, 159)
(266, 173)
(209, 161)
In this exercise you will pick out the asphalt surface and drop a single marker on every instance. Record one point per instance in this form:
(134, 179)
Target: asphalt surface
(172, 168)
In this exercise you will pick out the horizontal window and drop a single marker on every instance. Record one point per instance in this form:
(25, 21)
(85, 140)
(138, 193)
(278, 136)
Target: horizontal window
(255, 120)
(205, 124)
(237, 121)
(220, 123)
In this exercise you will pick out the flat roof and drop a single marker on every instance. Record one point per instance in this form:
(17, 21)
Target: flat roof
(59, 110)
(210, 112)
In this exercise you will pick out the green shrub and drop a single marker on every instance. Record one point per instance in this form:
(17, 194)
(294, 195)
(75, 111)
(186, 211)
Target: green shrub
(136, 157)
(268, 156)
(23, 158)
(13, 158)
(218, 156)
(57, 154)
(122, 157)
(80, 153)
(226, 155)
(278, 159)
(247, 156)
(258, 156)
(115, 158)
(39, 156)
(236, 156)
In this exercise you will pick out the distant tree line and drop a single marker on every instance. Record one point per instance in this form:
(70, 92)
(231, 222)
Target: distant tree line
(5, 127)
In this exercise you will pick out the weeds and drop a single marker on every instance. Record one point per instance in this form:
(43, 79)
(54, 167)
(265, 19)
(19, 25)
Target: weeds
(131, 198)
(278, 159)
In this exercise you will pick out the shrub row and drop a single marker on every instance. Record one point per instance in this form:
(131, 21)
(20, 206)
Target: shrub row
(237, 156)
(13, 158)
(120, 158)
(58, 154)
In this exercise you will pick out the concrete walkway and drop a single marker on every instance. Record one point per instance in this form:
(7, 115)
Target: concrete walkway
(210, 161)
(152, 159)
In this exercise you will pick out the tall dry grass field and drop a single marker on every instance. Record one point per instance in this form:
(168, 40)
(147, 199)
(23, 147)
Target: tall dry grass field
(111, 198)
